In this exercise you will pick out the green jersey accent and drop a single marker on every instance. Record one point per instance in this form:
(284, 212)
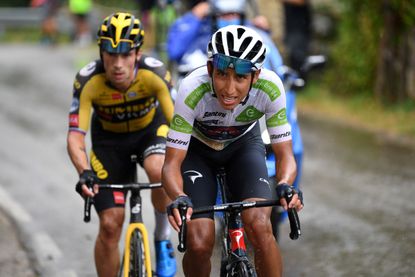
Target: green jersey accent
(268, 87)
(249, 114)
(278, 119)
(179, 124)
(195, 96)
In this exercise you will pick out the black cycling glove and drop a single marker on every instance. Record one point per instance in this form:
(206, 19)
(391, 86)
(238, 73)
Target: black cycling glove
(287, 191)
(182, 200)
(87, 177)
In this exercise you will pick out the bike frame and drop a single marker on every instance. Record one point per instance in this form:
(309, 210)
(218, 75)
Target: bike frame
(233, 237)
(135, 222)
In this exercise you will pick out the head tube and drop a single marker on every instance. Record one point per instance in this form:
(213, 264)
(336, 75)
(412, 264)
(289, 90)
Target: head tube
(222, 62)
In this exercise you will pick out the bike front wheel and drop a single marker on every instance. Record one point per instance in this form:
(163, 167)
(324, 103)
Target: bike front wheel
(242, 269)
(136, 266)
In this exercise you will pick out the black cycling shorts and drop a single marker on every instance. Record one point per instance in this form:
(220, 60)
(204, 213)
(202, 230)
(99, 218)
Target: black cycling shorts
(111, 158)
(244, 164)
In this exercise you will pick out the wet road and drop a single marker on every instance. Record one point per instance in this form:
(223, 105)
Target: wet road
(358, 217)
(359, 210)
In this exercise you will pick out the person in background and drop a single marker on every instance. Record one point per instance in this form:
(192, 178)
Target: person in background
(297, 32)
(129, 94)
(80, 10)
(49, 27)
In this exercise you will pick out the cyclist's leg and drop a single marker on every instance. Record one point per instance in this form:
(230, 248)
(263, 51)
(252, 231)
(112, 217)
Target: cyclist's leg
(165, 261)
(151, 152)
(248, 179)
(199, 184)
(111, 166)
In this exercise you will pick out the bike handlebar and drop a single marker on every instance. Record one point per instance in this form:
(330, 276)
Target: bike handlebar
(131, 186)
(243, 205)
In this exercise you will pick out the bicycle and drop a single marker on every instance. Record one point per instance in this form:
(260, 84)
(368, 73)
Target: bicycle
(136, 261)
(235, 261)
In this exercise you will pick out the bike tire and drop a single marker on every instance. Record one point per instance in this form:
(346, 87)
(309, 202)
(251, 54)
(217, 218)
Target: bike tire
(242, 269)
(137, 267)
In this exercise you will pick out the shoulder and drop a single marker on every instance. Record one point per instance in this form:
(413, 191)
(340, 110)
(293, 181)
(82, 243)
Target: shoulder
(89, 71)
(151, 63)
(270, 84)
(195, 86)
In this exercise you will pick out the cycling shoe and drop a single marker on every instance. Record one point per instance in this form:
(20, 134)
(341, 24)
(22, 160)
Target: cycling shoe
(165, 260)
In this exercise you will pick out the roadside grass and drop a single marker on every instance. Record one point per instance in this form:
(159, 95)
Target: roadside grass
(395, 121)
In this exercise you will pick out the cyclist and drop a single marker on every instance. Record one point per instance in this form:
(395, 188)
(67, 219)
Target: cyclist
(189, 35)
(215, 124)
(81, 11)
(130, 96)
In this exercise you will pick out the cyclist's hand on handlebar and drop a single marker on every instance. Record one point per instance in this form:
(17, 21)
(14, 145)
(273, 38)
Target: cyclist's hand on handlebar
(288, 193)
(86, 185)
(173, 211)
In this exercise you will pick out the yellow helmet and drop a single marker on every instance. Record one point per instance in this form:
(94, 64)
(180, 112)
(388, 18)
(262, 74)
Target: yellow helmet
(120, 32)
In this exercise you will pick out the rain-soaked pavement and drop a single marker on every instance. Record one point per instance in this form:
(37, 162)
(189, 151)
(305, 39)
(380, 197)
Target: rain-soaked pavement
(359, 211)
(358, 218)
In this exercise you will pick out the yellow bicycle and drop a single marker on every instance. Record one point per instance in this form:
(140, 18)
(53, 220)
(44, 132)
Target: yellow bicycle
(136, 261)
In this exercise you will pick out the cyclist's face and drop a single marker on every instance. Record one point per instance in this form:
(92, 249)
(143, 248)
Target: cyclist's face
(231, 88)
(119, 68)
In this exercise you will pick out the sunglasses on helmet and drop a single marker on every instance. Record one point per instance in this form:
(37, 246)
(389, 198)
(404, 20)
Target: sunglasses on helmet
(123, 46)
(222, 62)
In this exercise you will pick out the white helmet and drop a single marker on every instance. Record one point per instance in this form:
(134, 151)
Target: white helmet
(238, 42)
(227, 6)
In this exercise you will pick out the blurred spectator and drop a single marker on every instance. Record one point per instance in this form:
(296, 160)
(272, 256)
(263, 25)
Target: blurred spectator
(49, 27)
(80, 10)
(297, 31)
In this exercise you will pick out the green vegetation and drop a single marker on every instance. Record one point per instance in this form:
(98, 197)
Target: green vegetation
(373, 36)
(358, 111)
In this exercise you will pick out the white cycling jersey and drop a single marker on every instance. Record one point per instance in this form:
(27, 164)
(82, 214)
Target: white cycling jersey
(198, 113)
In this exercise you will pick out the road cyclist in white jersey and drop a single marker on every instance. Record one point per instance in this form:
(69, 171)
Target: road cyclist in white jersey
(215, 124)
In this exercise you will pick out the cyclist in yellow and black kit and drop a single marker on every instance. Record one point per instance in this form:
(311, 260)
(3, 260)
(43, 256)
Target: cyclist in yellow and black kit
(129, 94)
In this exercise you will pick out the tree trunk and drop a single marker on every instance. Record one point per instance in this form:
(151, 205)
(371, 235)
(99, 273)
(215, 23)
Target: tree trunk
(396, 64)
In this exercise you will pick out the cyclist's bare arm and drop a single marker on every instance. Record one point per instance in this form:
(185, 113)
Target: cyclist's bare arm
(77, 152)
(286, 169)
(173, 182)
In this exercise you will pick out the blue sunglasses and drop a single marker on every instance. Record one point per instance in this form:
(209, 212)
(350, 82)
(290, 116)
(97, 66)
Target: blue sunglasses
(120, 48)
(222, 62)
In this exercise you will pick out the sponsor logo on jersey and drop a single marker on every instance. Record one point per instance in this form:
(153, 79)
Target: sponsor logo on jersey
(195, 96)
(74, 105)
(88, 69)
(73, 120)
(249, 114)
(193, 175)
(77, 84)
(98, 167)
(269, 88)
(121, 112)
(132, 94)
(118, 197)
(278, 119)
(284, 135)
(177, 141)
(179, 124)
(209, 114)
(212, 122)
(116, 96)
(152, 62)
